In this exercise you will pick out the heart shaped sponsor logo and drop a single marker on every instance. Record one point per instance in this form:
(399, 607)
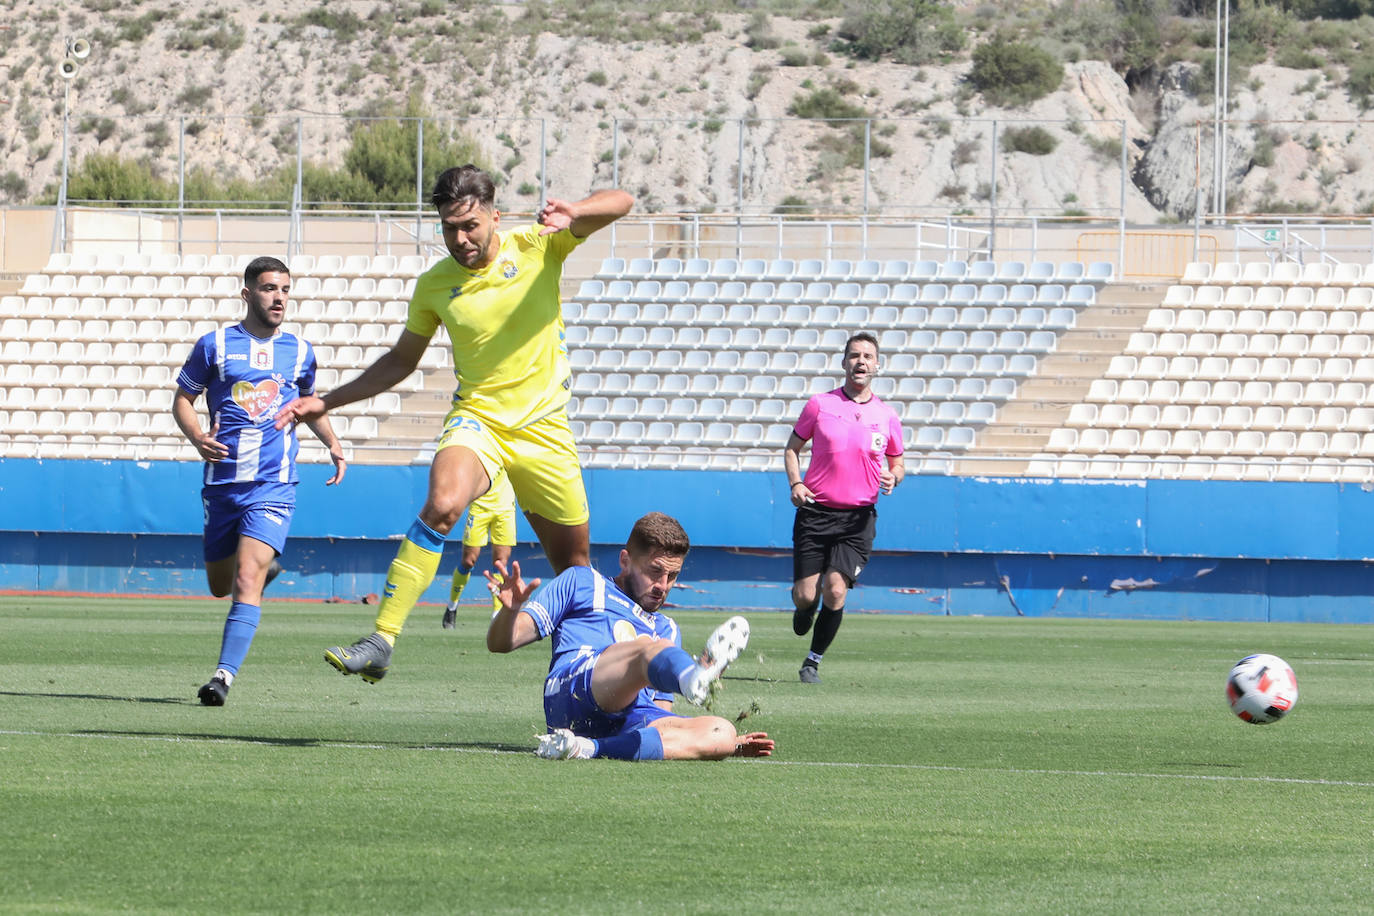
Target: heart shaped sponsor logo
(255, 399)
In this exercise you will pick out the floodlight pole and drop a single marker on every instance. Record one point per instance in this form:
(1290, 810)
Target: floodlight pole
(60, 229)
(1221, 78)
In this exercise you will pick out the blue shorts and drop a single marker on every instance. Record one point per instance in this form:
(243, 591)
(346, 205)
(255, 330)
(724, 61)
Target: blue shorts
(262, 511)
(568, 703)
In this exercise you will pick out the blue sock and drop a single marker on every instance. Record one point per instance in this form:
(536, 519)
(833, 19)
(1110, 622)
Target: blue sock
(421, 535)
(239, 628)
(668, 668)
(641, 744)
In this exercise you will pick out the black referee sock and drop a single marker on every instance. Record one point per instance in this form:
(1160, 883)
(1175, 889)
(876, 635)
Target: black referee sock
(827, 625)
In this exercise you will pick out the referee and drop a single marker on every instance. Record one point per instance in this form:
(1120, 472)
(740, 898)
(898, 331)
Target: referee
(856, 451)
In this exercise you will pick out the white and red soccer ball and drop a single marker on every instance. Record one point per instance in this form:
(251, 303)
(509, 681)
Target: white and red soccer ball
(1261, 689)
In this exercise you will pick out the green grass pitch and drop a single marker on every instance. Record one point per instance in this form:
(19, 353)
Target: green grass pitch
(945, 765)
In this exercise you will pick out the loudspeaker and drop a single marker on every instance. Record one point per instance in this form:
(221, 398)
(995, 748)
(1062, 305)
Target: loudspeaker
(80, 48)
(68, 68)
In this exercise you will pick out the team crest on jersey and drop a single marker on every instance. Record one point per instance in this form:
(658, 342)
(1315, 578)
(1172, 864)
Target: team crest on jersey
(256, 400)
(879, 443)
(623, 631)
(508, 268)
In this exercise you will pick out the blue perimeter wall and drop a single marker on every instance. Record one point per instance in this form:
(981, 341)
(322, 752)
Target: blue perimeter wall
(1193, 550)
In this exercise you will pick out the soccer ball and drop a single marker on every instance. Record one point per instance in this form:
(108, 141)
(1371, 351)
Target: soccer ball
(1261, 689)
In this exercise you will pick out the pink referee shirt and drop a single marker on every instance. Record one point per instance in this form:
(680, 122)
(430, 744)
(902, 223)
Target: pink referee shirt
(850, 443)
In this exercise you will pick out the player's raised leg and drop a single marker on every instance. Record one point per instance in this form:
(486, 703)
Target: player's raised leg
(625, 668)
(564, 545)
(456, 478)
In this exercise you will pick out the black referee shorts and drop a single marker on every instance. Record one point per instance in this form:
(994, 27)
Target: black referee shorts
(824, 538)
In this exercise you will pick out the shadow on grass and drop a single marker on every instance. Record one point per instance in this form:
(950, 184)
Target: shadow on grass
(310, 742)
(176, 701)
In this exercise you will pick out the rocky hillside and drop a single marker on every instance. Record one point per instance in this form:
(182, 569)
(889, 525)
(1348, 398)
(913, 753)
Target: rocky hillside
(692, 112)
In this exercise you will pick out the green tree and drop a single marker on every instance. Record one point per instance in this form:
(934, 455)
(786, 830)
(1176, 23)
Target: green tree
(1011, 73)
(382, 154)
(908, 31)
(103, 177)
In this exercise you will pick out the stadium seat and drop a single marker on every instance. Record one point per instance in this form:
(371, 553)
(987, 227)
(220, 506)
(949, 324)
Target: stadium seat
(780, 269)
(1346, 274)
(837, 270)
(666, 269)
(1011, 272)
(751, 269)
(808, 270)
(1100, 272)
(694, 269)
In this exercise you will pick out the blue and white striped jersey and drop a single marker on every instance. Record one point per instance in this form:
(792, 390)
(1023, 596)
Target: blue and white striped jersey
(585, 612)
(246, 381)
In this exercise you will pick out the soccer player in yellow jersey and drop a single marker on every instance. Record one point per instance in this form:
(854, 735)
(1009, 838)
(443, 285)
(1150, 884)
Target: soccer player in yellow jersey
(497, 294)
(490, 519)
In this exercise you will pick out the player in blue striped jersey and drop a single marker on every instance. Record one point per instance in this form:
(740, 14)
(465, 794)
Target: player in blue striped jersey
(247, 372)
(617, 662)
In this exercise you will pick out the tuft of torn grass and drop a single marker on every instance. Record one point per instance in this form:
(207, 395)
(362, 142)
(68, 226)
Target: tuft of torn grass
(753, 710)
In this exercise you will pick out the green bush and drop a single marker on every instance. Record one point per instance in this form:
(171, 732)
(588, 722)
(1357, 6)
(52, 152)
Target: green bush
(1034, 140)
(345, 25)
(759, 34)
(908, 31)
(110, 178)
(104, 128)
(825, 103)
(1360, 83)
(1014, 73)
(1295, 58)
(195, 96)
(378, 168)
(13, 186)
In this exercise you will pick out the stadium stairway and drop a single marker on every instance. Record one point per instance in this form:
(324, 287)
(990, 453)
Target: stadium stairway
(1042, 404)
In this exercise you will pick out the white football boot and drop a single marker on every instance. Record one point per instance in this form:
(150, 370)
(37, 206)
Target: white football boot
(724, 646)
(562, 744)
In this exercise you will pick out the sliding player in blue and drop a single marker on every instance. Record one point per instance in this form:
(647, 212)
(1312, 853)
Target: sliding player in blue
(617, 661)
(247, 372)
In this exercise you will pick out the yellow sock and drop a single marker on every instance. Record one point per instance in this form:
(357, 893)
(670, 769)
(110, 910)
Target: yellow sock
(460, 582)
(496, 598)
(409, 575)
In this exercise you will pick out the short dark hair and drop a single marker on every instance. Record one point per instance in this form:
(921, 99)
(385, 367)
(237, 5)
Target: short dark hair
(862, 335)
(464, 182)
(264, 265)
(658, 533)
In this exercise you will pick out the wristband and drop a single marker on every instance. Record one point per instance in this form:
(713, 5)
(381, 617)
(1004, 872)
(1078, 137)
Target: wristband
(795, 485)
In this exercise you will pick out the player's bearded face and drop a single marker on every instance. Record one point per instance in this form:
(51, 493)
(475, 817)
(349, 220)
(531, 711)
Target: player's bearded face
(648, 579)
(267, 298)
(470, 232)
(860, 363)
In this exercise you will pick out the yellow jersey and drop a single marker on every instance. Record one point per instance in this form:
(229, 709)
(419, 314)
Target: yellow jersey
(510, 355)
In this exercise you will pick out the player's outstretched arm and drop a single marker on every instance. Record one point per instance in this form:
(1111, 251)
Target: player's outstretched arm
(324, 431)
(708, 738)
(583, 217)
(389, 370)
(184, 412)
(510, 629)
(754, 744)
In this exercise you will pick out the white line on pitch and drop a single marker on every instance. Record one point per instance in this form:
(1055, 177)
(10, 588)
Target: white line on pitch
(1015, 771)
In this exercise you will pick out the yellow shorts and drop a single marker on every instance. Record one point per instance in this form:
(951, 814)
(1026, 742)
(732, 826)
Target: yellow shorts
(491, 518)
(540, 459)
(498, 528)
